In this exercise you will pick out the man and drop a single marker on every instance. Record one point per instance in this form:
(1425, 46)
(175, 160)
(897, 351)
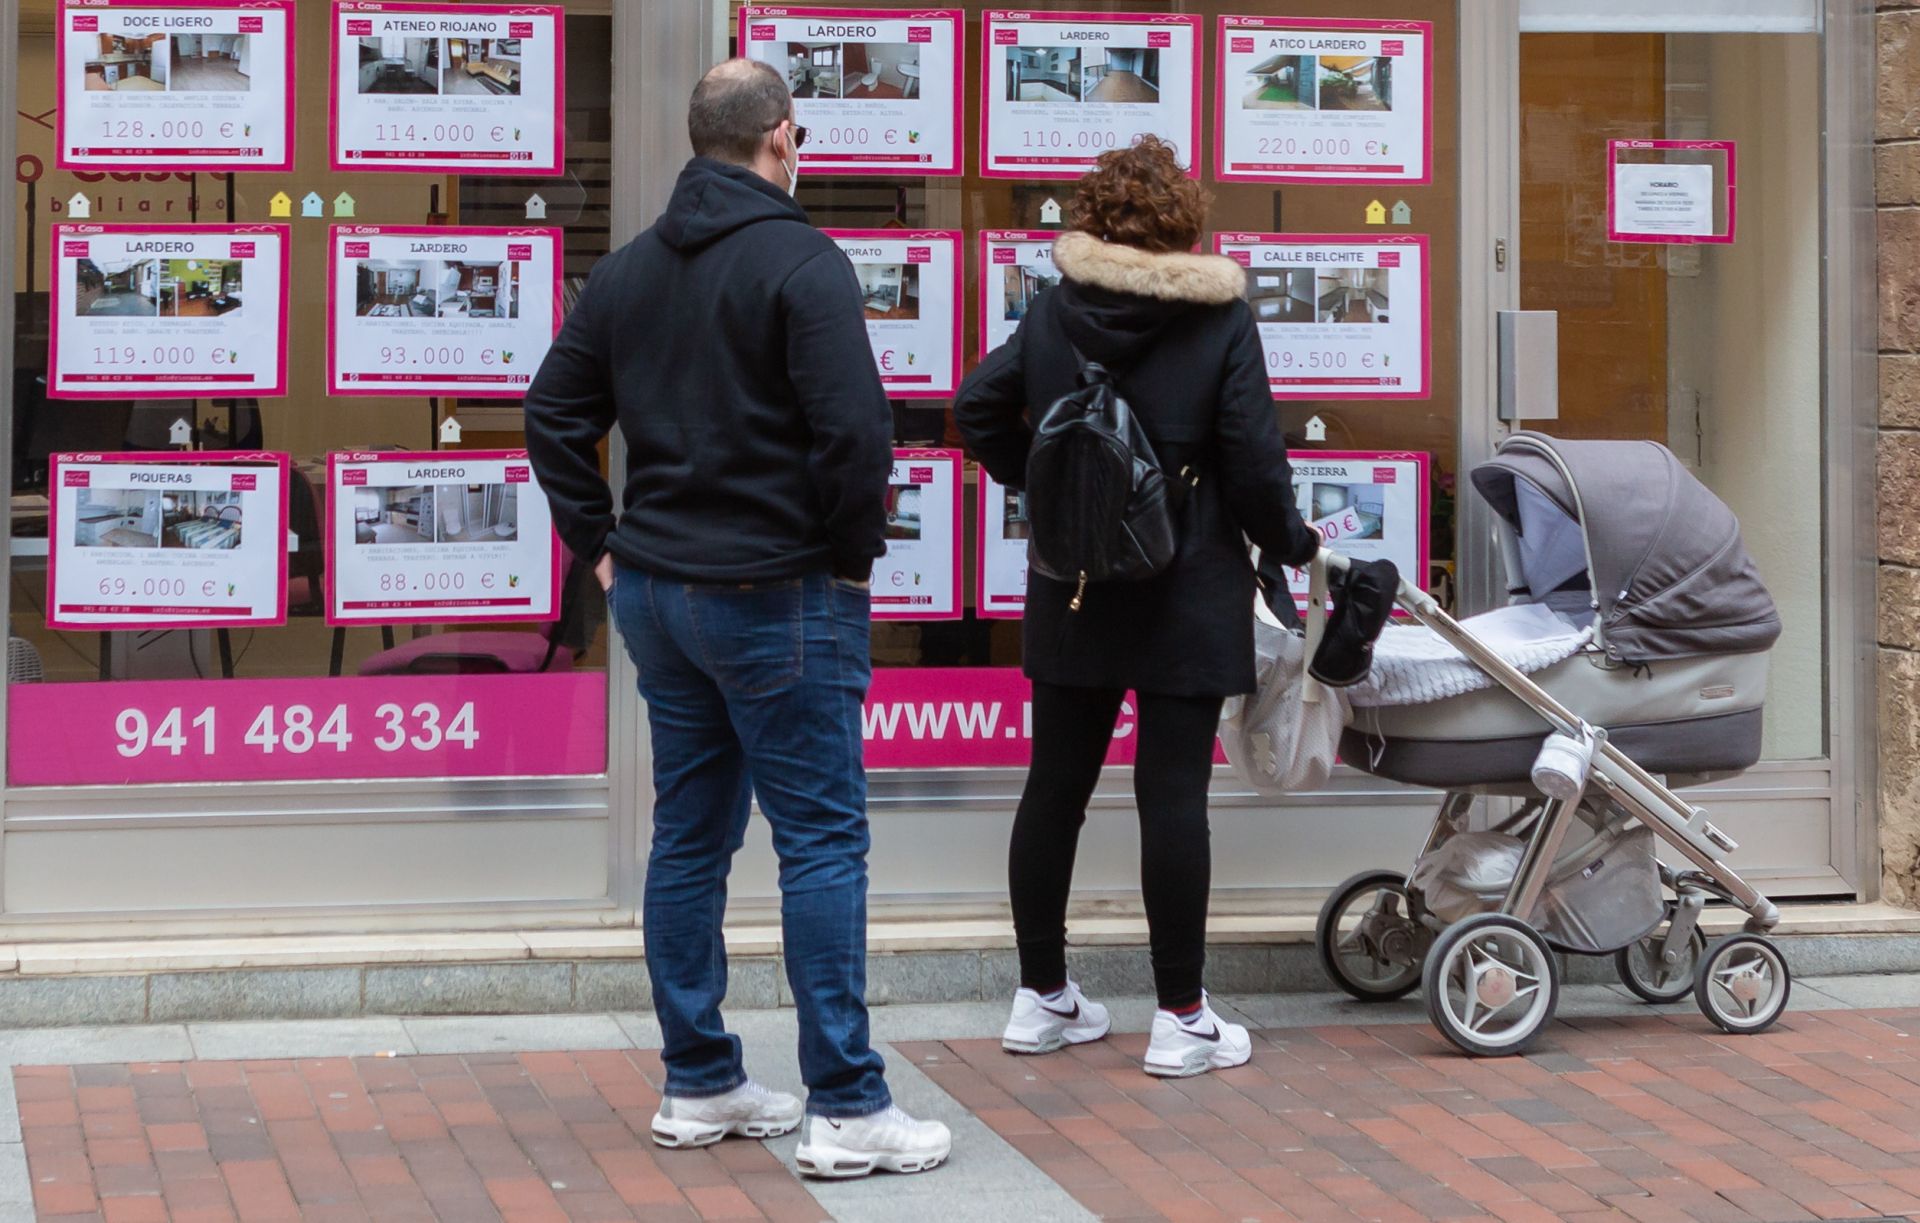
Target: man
(728, 342)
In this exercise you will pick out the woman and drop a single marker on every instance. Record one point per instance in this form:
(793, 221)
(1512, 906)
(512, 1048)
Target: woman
(1175, 330)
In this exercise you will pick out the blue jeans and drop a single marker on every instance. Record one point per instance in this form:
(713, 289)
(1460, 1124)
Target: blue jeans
(757, 690)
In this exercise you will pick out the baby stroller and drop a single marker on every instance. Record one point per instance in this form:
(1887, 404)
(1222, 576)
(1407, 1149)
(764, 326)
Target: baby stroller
(1662, 689)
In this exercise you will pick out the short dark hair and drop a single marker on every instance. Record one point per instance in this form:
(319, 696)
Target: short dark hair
(734, 106)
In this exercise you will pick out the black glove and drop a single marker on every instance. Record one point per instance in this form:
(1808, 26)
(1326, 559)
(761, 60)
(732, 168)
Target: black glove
(1361, 607)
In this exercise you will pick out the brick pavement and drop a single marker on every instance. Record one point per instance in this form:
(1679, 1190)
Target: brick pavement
(1644, 1118)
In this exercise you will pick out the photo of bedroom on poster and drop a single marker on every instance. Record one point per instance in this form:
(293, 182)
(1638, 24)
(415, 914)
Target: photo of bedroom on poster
(201, 518)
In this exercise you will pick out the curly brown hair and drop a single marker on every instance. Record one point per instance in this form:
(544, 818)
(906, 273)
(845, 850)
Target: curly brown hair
(1139, 196)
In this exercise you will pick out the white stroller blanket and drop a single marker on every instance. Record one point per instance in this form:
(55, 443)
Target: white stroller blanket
(1412, 665)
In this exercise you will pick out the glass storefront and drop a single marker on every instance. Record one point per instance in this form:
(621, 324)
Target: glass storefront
(534, 808)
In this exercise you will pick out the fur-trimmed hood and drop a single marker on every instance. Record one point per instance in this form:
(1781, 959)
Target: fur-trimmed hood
(1204, 280)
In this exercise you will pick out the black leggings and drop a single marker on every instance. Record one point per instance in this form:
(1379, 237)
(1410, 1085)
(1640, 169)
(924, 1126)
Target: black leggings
(1072, 731)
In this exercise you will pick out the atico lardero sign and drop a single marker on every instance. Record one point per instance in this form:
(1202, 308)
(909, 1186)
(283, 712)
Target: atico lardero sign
(443, 310)
(878, 90)
(168, 311)
(439, 88)
(150, 86)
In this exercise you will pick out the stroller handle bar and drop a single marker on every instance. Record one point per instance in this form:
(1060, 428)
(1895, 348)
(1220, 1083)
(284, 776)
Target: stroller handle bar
(1676, 821)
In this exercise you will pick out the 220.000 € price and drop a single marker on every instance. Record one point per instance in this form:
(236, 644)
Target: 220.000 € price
(298, 729)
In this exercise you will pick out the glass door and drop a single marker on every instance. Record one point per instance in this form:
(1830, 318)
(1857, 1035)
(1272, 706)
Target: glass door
(1670, 214)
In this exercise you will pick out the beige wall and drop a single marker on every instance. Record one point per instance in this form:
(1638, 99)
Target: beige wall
(1897, 134)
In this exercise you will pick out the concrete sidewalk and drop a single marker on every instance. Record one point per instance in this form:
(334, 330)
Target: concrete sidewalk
(1347, 1112)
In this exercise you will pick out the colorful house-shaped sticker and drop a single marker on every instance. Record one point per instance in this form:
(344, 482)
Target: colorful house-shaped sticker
(281, 205)
(311, 205)
(1376, 213)
(343, 205)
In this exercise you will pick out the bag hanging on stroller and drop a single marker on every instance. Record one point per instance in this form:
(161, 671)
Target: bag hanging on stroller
(1286, 736)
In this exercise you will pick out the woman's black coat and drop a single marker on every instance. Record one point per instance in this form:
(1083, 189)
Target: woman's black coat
(1177, 332)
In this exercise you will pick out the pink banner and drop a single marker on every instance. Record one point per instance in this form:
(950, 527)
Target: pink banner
(143, 733)
(963, 717)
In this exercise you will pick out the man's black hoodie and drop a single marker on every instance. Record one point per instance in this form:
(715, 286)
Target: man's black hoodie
(729, 343)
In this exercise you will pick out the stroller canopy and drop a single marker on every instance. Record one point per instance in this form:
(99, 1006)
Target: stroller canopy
(1669, 571)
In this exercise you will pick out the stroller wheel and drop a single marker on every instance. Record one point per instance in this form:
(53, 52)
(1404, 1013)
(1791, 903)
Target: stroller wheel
(1491, 984)
(1742, 984)
(1368, 940)
(1651, 978)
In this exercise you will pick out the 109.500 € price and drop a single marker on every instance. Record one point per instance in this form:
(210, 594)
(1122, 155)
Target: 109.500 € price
(298, 729)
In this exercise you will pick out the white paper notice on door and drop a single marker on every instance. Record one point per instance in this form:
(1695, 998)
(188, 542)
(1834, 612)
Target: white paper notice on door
(878, 90)
(910, 293)
(440, 310)
(168, 311)
(438, 88)
(167, 540)
(1324, 100)
(1059, 89)
(1368, 505)
(452, 535)
(177, 87)
(1664, 200)
(919, 577)
(1015, 266)
(1001, 568)
(1341, 316)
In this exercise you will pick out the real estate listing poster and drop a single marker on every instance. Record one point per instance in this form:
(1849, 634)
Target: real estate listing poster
(878, 90)
(175, 87)
(168, 311)
(1324, 100)
(1000, 571)
(1015, 265)
(910, 291)
(440, 310)
(439, 88)
(919, 577)
(1671, 191)
(1368, 505)
(167, 540)
(451, 535)
(1059, 89)
(1341, 316)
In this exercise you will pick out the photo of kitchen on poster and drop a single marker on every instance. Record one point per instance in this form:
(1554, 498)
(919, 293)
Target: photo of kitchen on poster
(1015, 266)
(167, 540)
(451, 535)
(1341, 316)
(1059, 89)
(176, 87)
(919, 577)
(433, 88)
(878, 90)
(1000, 569)
(1324, 100)
(1368, 505)
(168, 311)
(440, 310)
(910, 293)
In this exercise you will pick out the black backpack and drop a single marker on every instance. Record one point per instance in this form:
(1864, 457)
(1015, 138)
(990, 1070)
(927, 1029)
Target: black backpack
(1100, 508)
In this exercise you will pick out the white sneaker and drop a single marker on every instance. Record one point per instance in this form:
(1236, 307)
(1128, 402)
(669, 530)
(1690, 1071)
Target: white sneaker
(1206, 1042)
(749, 1110)
(889, 1140)
(1039, 1026)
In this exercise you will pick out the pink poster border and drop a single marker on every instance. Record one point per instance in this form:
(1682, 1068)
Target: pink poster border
(988, 237)
(1423, 468)
(1425, 391)
(1733, 196)
(957, 18)
(955, 240)
(288, 129)
(990, 16)
(335, 233)
(425, 615)
(89, 229)
(981, 605)
(1369, 25)
(196, 458)
(492, 169)
(957, 460)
